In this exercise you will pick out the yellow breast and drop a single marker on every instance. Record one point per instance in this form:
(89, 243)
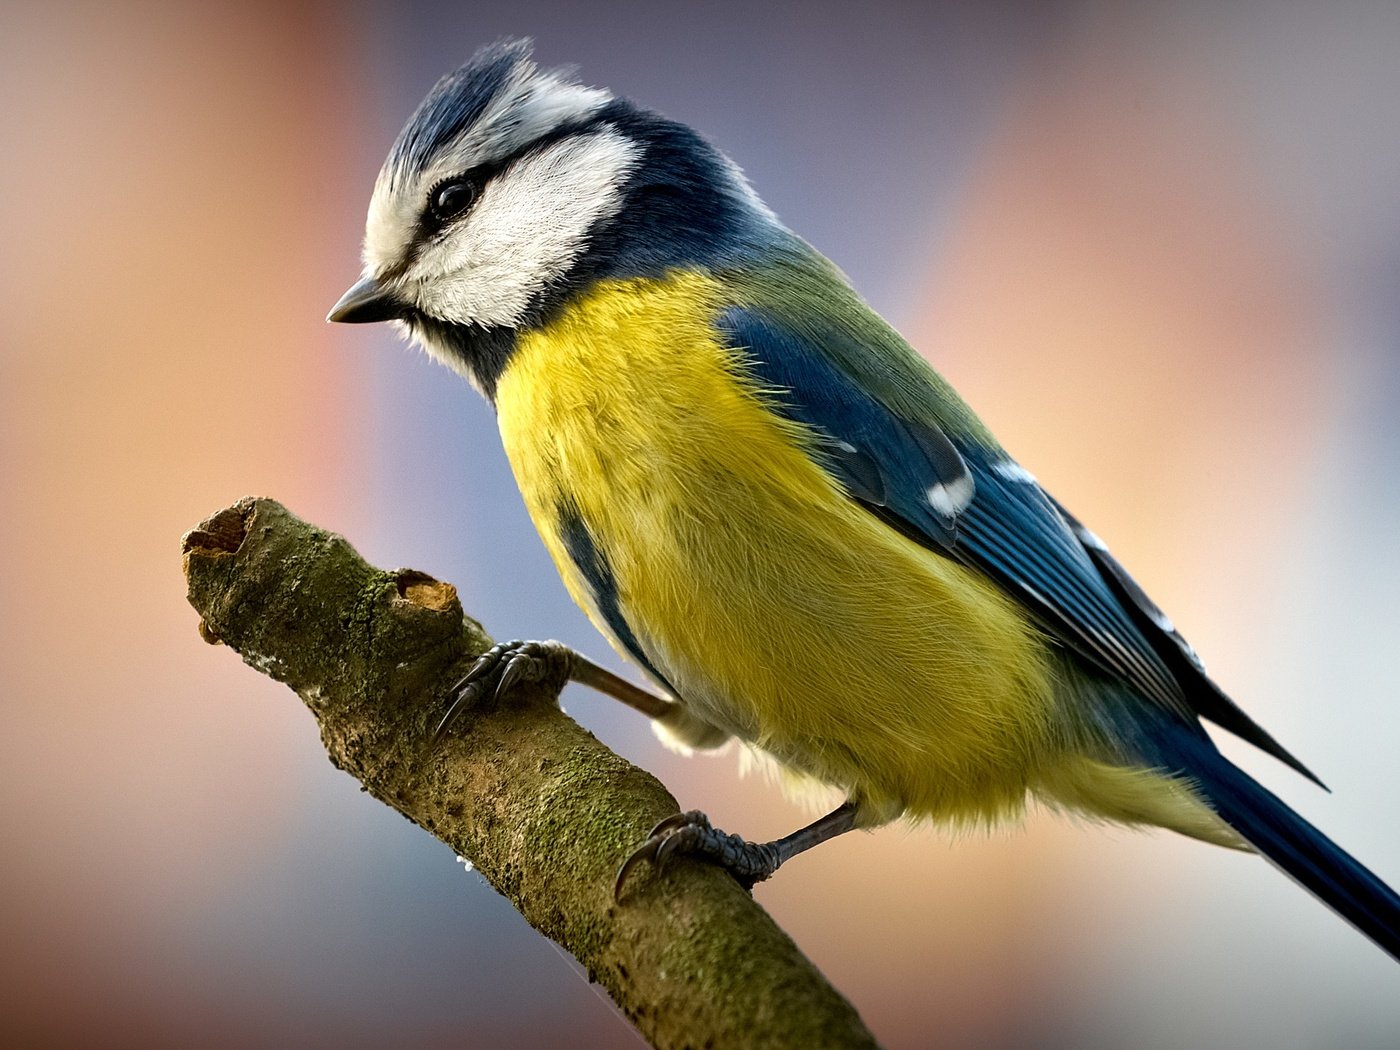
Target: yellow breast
(778, 608)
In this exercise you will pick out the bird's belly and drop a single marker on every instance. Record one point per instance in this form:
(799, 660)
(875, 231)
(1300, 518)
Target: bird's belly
(777, 608)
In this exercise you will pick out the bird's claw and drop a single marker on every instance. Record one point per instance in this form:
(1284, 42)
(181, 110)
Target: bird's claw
(503, 667)
(692, 834)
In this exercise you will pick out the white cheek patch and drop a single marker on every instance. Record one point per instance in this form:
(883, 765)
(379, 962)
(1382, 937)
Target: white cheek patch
(531, 223)
(529, 105)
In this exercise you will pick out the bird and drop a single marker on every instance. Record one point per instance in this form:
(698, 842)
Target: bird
(773, 506)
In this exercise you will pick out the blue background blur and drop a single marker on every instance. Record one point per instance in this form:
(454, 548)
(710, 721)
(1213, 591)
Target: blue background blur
(1156, 245)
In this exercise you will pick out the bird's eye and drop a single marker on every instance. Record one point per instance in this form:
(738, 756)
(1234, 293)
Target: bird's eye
(451, 199)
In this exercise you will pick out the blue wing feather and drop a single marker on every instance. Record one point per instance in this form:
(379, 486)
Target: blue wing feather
(1040, 554)
(1009, 528)
(875, 456)
(1207, 698)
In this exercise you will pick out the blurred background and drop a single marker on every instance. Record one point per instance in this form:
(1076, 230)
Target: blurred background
(1156, 245)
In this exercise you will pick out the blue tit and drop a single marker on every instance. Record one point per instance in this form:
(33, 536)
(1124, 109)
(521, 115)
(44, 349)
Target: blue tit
(773, 505)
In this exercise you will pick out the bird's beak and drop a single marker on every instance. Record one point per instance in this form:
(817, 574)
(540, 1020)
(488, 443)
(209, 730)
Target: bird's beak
(367, 300)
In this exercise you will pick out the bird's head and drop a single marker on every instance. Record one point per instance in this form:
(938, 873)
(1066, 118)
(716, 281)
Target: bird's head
(513, 188)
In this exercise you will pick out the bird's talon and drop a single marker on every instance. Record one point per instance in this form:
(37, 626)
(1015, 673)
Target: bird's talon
(514, 670)
(501, 669)
(676, 821)
(646, 851)
(692, 834)
(666, 850)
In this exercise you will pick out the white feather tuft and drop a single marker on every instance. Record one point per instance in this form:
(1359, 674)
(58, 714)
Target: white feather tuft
(951, 499)
(1013, 471)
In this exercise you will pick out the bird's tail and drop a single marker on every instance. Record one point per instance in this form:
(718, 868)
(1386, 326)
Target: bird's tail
(1305, 854)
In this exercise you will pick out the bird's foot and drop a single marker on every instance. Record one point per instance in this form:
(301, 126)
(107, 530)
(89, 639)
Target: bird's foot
(691, 834)
(502, 668)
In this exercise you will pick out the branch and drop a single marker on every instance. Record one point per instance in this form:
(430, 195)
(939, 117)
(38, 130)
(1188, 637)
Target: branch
(543, 810)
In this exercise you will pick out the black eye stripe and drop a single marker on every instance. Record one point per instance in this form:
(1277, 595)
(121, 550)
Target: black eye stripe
(473, 181)
(482, 174)
(430, 224)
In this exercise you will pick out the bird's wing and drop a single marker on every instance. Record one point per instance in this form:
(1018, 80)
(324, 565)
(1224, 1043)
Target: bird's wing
(968, 500)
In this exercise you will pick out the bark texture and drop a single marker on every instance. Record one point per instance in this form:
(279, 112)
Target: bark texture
(543, 810)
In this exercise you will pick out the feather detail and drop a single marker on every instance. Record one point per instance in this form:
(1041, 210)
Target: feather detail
(780, 610)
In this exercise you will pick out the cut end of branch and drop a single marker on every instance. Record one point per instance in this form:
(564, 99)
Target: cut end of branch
(422, 590)
(221, 534)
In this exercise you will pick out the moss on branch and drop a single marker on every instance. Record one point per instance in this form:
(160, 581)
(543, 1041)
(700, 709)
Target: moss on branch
(543, 810)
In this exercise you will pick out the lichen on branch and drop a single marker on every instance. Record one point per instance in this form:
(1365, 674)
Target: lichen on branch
(543, 810)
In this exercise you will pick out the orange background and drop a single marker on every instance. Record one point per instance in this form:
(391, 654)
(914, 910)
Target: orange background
(1156, 248)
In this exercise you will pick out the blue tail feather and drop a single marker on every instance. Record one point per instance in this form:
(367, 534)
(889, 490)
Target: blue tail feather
(1268, 824)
